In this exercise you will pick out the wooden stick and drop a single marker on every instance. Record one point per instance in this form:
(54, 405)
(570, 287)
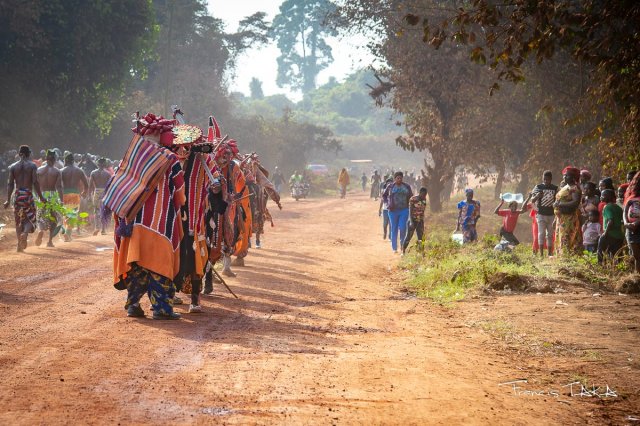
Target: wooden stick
(242, 198)
(223, 282)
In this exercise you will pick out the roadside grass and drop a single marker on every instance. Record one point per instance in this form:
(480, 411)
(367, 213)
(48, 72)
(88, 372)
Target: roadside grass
(445, 272)
(499, 328)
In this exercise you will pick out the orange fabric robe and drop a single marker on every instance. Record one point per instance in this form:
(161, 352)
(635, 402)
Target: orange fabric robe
(244, 224)
(154, 243)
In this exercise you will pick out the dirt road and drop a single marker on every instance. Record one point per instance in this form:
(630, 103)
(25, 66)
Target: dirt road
(323, 333)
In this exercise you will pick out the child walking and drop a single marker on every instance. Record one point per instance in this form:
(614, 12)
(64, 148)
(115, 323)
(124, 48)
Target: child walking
(591, 232)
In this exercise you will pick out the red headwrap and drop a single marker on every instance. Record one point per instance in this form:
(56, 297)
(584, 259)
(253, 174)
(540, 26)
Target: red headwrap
(623, 187)
(571, 171)
(233, 146)
(222, 149)
(156, 127)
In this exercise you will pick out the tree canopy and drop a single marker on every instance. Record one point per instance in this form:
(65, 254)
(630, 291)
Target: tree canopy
(300, 33)
(447, 96)
(514, 38)
(346, 109)
(74, 70)
(62, 73)
(255, 87)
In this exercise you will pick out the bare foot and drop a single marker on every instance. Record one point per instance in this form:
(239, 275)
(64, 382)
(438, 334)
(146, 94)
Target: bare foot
(95, 232)
(39, 238)
(50, 244)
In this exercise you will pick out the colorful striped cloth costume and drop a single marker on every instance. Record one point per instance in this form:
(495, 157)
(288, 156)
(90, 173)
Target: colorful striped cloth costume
(156, 230)
(244, 220)
(143, 166)
(193, 248)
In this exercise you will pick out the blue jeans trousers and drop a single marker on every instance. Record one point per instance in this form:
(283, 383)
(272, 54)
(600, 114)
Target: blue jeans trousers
(398, 222)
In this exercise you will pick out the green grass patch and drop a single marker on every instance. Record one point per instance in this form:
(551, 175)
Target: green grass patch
(447, 272)
(583, 379)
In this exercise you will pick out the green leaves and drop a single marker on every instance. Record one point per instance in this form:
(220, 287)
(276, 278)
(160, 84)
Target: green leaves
(54, 209)
(300, 33)
(73, 59)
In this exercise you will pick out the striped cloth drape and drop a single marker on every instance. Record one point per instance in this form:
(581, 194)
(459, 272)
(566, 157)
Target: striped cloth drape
(137, 176)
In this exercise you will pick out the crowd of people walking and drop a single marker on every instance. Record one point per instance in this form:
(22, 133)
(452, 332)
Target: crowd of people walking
(68, 192)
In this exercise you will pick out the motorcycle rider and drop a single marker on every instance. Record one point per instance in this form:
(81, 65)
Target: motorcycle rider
(296, 185)
(295, 178)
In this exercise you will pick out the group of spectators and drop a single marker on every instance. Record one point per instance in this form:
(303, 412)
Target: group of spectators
(578, 215)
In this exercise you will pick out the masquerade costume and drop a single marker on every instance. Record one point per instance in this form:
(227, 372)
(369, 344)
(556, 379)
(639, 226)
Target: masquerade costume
(147, 238)
(193, 247)
(244, 218)
(263, 189)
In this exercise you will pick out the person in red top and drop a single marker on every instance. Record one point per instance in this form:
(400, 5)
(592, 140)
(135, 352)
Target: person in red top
(510, 219)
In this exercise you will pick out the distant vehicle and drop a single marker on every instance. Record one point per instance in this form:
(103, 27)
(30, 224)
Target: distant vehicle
(318, 169)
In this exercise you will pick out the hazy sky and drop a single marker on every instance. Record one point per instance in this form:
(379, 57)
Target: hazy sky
(261, 63)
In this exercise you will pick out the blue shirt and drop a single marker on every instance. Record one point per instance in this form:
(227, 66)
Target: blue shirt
(398, 196)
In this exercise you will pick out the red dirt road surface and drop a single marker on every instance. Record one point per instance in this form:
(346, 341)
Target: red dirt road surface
(323, 333)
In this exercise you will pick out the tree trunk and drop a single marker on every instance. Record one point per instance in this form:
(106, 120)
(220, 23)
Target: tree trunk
(448, 189)
(434, 181)
(435, 191)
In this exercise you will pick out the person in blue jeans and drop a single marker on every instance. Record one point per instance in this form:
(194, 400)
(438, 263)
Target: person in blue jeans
(383, 209)
(398, 194)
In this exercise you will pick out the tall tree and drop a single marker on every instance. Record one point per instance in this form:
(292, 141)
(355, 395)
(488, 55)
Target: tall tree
(601, 36)
(300, 32)
(255, 86)
(63, 75)
(193, 59)
(438, 93)
(448, 111)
